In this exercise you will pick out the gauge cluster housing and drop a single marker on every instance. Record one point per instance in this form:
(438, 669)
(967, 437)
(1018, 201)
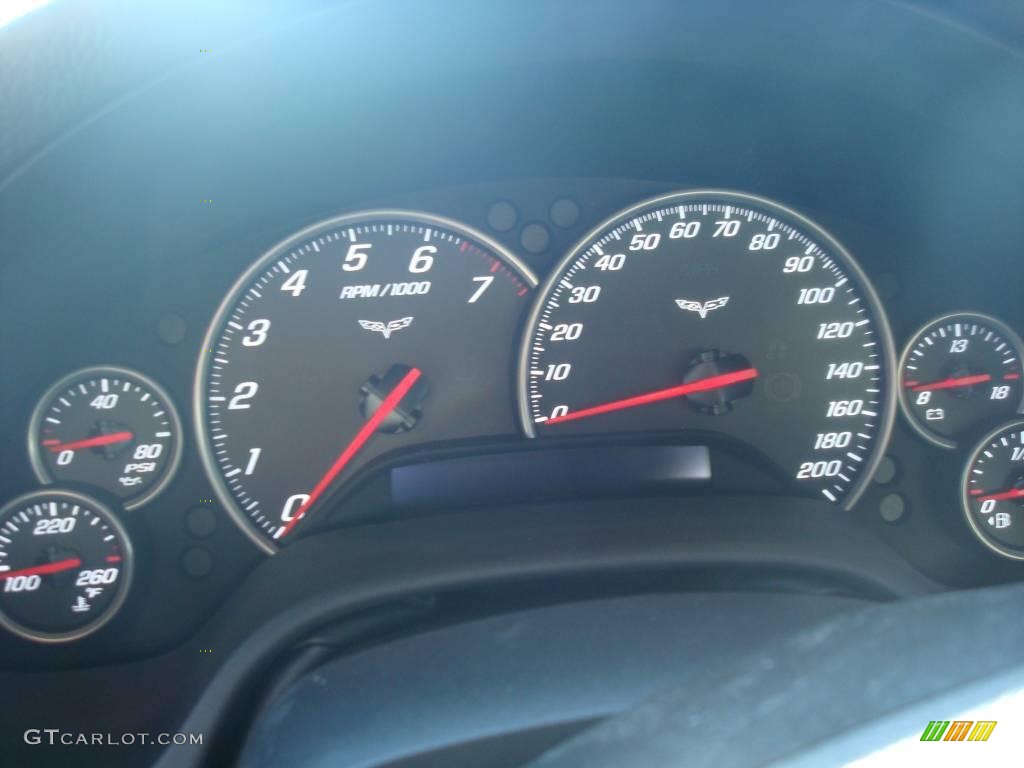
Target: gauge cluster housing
(127, 221)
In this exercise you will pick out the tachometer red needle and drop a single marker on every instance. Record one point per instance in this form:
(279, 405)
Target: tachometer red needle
(965, 381)
(1013, 493)
(703, 385)
(45, 570)
(365, 433)
(92, 442)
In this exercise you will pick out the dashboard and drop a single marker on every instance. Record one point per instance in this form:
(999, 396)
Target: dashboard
(288, 320)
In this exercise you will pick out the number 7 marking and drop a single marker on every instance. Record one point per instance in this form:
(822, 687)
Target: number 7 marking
(485, 282)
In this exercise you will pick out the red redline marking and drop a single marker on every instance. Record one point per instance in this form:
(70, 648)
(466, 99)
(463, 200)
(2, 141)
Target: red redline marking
(523, 292)
(113, 558)
(496, 266)
(51, 442)
(1011, 377)
(362, 436)
(702, 385)
(975, 491)
(45, 570)
(464, 246)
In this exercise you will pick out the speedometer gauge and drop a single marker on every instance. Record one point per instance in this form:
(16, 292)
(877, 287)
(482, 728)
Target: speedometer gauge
(723, 313)
(360, 335)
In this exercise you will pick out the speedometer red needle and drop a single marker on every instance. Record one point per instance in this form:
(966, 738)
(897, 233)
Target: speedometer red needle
(45, 570)
(965, 381)
(91, 442)
(365, 433)
(702, 385)
(1013, 493)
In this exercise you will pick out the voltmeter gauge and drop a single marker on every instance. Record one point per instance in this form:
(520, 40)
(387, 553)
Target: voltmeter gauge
(65, 566)
(993, 491)
(960, 375)
(110, 428)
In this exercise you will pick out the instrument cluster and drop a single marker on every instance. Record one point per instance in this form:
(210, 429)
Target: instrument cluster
(394, 360)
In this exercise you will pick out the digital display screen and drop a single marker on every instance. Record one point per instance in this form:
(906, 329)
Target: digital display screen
(549, 473)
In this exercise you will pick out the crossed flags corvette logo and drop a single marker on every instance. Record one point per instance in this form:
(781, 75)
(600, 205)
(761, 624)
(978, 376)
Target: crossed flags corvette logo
(386, 328)
(705, 308)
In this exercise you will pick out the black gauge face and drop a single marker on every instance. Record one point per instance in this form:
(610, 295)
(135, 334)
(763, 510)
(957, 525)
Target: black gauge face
(960, 375)
(994, 491)
(65, 563)
(716, 312)
(361, 335)
(109, 428)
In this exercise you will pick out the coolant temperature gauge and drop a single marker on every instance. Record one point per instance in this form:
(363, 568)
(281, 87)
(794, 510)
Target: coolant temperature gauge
(110, 428)
(65, 566)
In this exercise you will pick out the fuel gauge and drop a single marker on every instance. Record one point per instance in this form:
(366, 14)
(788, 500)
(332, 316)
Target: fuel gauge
(960, 375)
(993, 491)
(110, 428)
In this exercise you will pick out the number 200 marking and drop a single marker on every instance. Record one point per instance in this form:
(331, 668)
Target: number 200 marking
(816, 469)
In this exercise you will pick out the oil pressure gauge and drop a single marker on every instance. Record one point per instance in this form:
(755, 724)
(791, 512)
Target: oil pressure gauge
(110, 428)
(960, 375)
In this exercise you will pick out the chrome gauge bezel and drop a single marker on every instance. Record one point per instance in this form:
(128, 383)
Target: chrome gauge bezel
(254, 270)
(39, 466)
(965, 501)
(1011, 336)
(887, 398)
(125, 581)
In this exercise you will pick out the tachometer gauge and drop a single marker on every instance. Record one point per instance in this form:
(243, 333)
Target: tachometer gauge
(65, 565)
(110, 428)
(993, 491)
(960, 375)
(360, 335)
(719, 312)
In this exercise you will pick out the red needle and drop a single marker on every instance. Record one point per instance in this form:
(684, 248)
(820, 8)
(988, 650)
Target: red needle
(92, 442)
(1013, 493)
(965, 381)
(365, 433)
(703, 385)
(45, 570)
